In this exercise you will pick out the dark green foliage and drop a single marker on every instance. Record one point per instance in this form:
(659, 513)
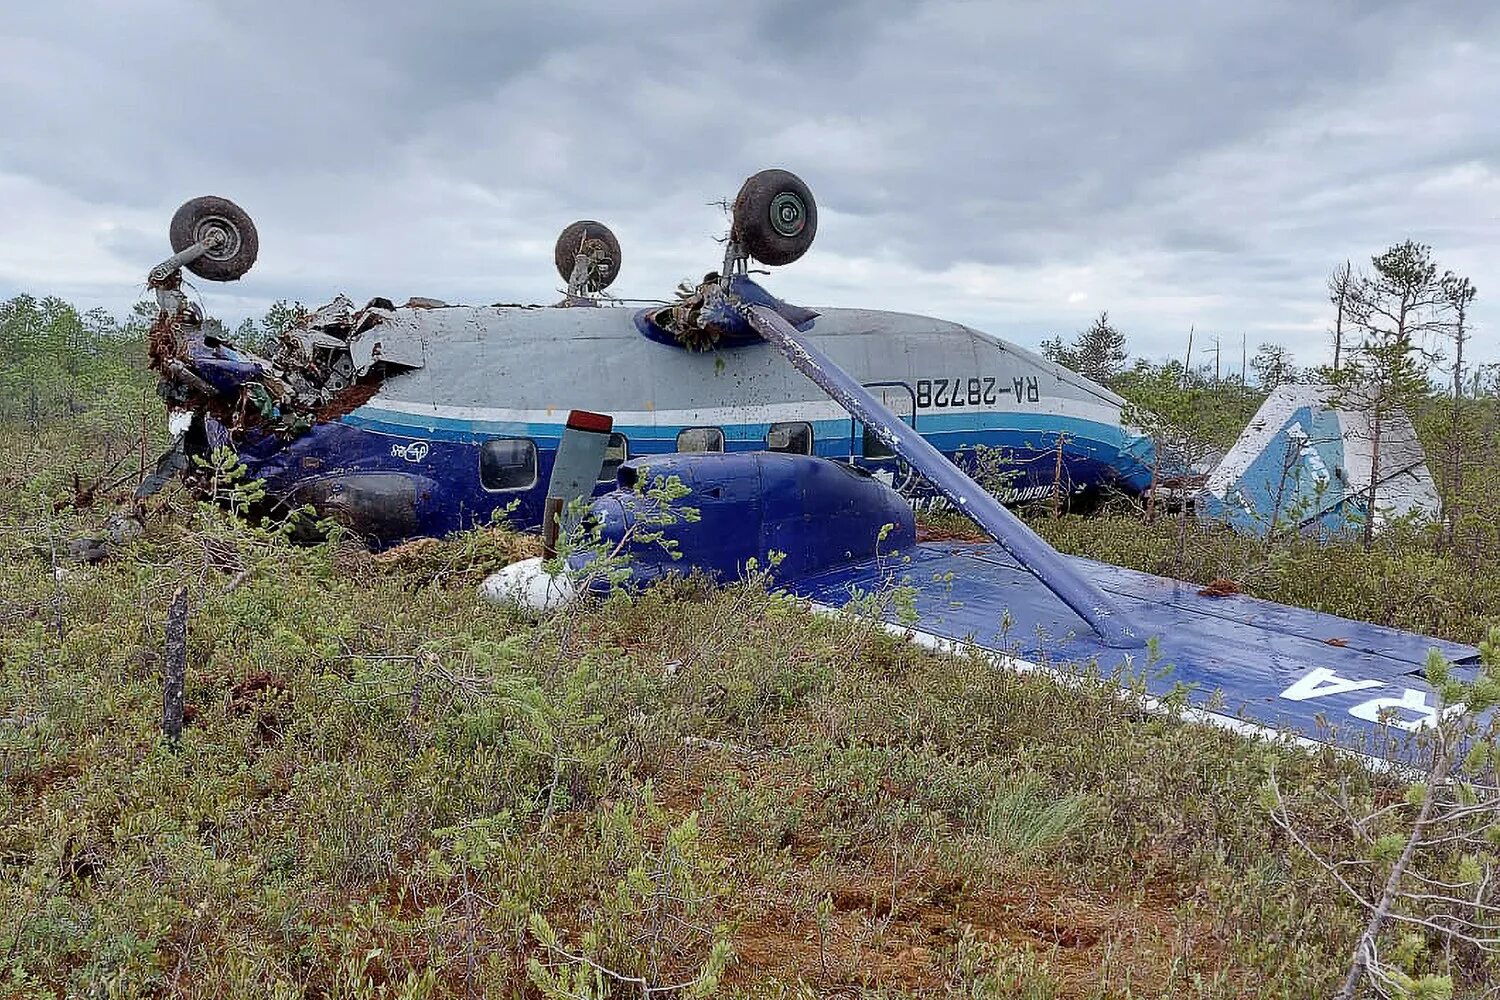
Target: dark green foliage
(280, 317)
(1188, 405)
(1097, 352)
(1405, 581)
(1273, 367)
(56, 362)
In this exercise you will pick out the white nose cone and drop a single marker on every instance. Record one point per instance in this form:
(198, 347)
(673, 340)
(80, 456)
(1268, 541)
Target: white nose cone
(527, 585)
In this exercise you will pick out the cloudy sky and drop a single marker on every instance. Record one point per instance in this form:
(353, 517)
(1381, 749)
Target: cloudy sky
(1019, 166)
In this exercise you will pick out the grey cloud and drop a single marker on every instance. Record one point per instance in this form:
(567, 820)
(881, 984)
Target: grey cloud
(1164, 157)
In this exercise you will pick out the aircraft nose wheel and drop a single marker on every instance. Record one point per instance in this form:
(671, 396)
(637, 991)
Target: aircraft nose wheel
(775, 217)
(587, 256)
(228, 238)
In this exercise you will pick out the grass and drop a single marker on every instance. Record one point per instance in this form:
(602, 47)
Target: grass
(388, 788)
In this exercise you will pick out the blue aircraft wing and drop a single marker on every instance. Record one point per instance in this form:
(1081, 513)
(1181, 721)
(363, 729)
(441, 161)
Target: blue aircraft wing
(1241, 663)
(1247, 664)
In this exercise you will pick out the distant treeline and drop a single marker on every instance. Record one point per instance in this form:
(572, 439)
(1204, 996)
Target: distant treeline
(57, 361)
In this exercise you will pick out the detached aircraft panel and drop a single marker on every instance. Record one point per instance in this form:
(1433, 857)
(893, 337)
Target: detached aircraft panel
(1304, 463)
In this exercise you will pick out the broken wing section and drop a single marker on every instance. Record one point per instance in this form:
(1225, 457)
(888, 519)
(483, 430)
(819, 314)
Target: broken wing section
(1304, 464)
(1244, 664)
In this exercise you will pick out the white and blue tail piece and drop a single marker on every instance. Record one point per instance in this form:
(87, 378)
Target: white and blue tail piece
(1304, 464)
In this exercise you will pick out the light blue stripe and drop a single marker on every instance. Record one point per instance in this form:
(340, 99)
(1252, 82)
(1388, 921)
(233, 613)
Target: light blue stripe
(948, 432)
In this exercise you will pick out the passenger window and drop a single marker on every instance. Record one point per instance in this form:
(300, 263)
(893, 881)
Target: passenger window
(896, 397)
(795, 438)
(507, 464)
(615, 454)
(701, 439)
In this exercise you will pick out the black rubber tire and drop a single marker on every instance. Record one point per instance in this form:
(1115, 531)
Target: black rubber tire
(595, 239)
(230, 261)
(775, 217)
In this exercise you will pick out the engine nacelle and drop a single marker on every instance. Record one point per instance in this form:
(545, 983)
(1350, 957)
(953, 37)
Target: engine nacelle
(814, 512)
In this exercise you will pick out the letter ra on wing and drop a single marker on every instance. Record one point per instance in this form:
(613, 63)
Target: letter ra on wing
(1322, 682)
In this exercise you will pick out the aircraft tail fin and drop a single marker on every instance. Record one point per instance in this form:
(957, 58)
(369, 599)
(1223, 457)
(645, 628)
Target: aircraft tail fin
(1304, 463)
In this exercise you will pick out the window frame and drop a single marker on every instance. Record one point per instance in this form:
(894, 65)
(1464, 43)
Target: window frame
(861, 434)
(800, 424)
(536, 471)
(701, 451)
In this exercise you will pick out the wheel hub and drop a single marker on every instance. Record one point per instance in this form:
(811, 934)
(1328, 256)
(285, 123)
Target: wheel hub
(596, 251)
(788, 214)
(223, 237)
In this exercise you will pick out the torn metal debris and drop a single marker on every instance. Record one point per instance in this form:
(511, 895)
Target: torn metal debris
(1310, 461)
(691, 319)
(328, 363)
(711, 314)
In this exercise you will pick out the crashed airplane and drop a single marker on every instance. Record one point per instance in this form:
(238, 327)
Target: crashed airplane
(425, 418)
(793, 431)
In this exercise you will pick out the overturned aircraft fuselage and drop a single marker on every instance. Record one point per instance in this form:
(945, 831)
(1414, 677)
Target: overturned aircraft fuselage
(427, 419)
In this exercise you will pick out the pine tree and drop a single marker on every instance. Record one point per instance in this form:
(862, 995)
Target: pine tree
(1273, 367)
(1097, 353)
(1397, 307)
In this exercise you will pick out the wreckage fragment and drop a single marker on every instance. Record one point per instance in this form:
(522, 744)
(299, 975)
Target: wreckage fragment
(327, 364)
(711, 315)
(685, 319)
(1305, 463)
(335, 349)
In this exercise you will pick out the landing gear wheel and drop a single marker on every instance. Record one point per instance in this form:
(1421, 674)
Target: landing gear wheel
(238, 243)
(775, 217)
(598, 244)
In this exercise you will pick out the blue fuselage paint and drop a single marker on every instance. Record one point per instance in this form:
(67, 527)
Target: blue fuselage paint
(792, 514)
(370, 441)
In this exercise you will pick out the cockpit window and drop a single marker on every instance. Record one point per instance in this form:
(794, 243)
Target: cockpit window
(615, 454)
(507, 464)
(795, 438)
(700, 439)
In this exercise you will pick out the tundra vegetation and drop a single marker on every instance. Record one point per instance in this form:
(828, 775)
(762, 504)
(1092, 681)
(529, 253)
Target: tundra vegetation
(387, 788)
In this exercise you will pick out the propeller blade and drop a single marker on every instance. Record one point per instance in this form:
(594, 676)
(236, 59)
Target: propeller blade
(575, 469)
(1029, 549)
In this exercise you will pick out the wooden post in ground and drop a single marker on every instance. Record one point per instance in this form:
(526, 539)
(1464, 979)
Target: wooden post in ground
(175, 666)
